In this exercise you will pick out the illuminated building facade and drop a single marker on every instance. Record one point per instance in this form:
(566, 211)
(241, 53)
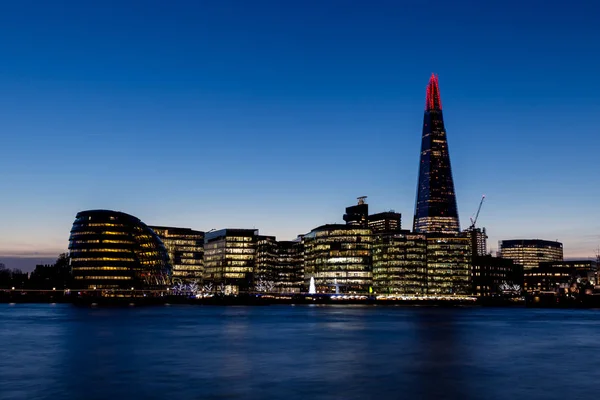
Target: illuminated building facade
(229, 258)
(339, 258)
(531, 252)
(114, 250)
(490, 274)
(435, 209)
(400, 263)
(449, 263)
(389, 221)
(186, 252)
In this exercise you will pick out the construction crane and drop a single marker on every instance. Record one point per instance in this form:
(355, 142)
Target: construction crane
(474, 221)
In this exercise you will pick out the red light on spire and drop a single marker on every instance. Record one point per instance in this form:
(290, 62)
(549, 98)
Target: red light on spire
(433, 100)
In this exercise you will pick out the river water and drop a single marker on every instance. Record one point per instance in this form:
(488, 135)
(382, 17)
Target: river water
(302, 352)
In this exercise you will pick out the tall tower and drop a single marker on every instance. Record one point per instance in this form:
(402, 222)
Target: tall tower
(435, 208)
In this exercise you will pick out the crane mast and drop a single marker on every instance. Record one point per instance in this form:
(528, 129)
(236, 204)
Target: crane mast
(474, 221)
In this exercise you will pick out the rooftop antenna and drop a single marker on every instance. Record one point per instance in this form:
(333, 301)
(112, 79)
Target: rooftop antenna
(361, 200)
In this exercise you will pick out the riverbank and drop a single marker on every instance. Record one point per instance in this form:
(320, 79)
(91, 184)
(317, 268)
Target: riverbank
(144, 299)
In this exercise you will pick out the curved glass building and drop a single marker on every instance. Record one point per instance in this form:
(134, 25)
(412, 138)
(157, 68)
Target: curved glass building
(531, 252)
(114, 250)
(339, 258)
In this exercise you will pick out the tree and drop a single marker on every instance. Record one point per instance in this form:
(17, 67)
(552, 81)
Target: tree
(57, 275)
(264, 285)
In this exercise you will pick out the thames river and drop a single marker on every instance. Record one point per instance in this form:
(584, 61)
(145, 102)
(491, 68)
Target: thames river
(302, 352)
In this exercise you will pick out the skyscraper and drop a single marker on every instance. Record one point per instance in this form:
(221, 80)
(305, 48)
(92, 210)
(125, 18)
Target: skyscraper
(435, 209)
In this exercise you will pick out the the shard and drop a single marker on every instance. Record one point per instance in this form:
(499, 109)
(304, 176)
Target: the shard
(435, 208)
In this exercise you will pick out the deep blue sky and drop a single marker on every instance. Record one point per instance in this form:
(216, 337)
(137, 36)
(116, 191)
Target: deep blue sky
(277, 114)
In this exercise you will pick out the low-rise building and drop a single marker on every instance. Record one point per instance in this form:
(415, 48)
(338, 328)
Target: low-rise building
(561, 276)
(494, 275)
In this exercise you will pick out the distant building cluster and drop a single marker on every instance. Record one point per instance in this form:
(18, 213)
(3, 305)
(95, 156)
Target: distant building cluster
(370, 253)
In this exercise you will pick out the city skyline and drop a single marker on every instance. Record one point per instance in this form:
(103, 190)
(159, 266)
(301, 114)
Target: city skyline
(181, 135)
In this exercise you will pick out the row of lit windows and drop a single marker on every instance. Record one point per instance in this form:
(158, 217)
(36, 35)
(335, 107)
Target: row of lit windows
(100, 224)
(187, 267)
(111, 250)
(103, 268)
(99, 233)
(191, 261)
(117, 277)
(399, 256)
(103, 259)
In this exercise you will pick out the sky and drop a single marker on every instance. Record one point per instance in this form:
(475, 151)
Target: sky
(276, 115)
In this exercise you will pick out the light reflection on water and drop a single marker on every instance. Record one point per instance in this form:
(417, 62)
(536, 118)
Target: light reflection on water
(337, 352)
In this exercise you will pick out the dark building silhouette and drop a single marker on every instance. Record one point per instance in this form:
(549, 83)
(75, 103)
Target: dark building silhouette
(400, 263)
(358, 215)
(186, 252)
(279, 266)
(229, 259)
(265, 264)
(388, 221)
(435, 209)
(289, 270)
(531, 252)
(495, 276)
(114, 250)
(556, 276)
(478, 241)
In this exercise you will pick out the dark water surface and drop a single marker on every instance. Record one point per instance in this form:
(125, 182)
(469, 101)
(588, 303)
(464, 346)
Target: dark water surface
(303, 352)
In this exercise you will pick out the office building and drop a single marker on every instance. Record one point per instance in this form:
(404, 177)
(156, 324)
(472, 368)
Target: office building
(186, 252)
(400, 263)
(558, 277)
(494, 276)
(385, 222)
(114, 250)
(449, 263)
(531, 252)
(358, 214)
(435, 209)
(289, 270)
(265, 263)
(587, 265)
(229, 259)
(339, 258)
(279, 266)
(478, 241)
